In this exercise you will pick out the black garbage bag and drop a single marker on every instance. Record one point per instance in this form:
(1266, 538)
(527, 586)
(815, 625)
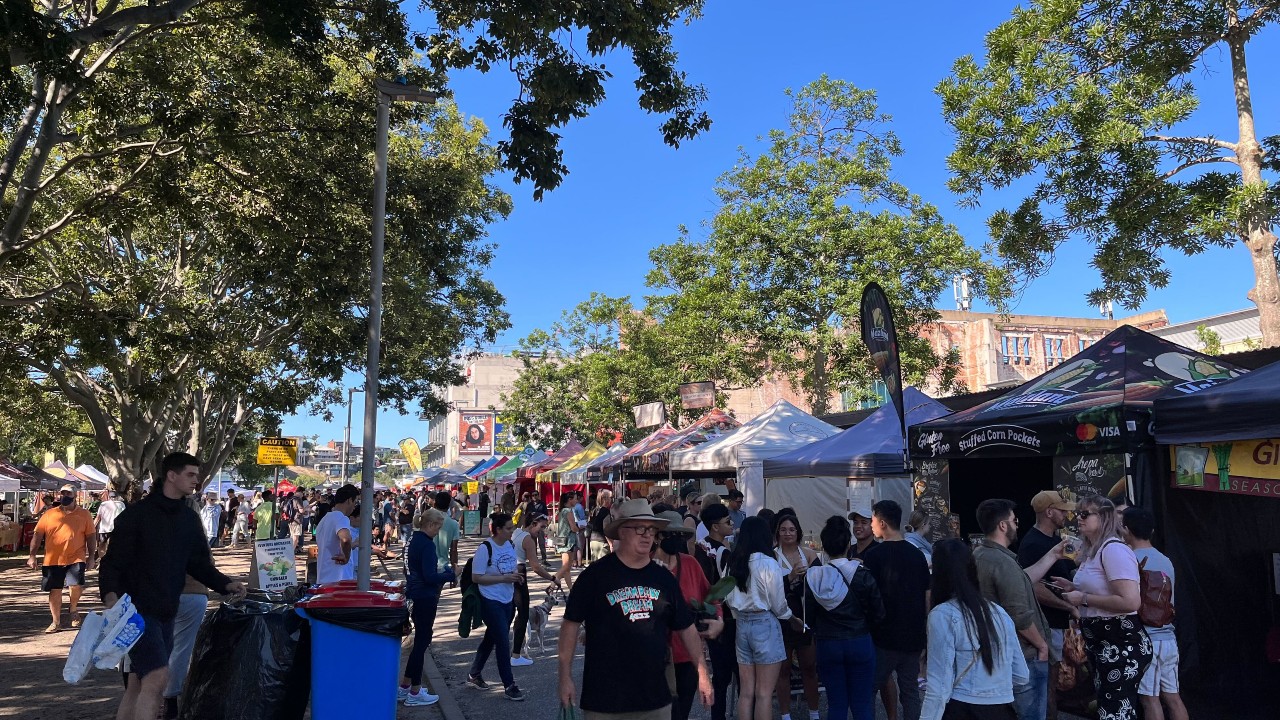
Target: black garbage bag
(389, 621)
(252, 661)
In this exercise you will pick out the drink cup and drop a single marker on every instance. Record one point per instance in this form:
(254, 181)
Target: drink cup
(1073, 546)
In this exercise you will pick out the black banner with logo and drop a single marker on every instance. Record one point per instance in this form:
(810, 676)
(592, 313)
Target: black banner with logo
(881, 338)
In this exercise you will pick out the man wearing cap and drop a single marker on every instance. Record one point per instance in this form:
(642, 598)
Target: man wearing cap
(70, 547)
(630, 605)
(863, 538)
(1051, 516)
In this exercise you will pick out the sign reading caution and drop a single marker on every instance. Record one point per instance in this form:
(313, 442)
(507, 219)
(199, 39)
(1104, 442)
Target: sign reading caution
(277, 451)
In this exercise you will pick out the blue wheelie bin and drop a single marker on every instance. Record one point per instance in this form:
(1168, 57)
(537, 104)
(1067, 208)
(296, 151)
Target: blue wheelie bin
(355, 653)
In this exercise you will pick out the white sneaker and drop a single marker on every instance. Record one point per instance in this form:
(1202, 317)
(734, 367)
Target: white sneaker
(421, 698)
(401, 692)
(521, 661)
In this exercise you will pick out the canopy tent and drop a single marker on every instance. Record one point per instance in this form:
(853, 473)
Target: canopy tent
(716, 423)
(864, 461)
(1221, 502)
(506, 472)
(1083, 427)
(60, 470)
(41, 479)
(872, 448)
(1096, 402)
(486, 465)
(531, 470)
(94, 473)
(586, 455)
(12, 474)
(780, 428)
(462, 466)
(1243, 409)
(590, 471)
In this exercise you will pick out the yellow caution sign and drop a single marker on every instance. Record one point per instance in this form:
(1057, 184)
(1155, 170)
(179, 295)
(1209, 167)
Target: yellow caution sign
(277, 451)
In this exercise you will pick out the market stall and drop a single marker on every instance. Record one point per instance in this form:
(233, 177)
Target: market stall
(528, 474)
(1218, 519)
(1082, 427)
(780, 428)
(582, 478)
(864, 461)
(614, 469)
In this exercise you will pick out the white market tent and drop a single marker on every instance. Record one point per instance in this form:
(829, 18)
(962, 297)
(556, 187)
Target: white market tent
(869, 455)
(779, 429)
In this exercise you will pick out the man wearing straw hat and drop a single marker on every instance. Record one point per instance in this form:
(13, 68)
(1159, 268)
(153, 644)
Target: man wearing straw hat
(630, 606)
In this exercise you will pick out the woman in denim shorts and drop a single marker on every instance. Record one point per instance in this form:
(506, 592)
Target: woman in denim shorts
(758, 602)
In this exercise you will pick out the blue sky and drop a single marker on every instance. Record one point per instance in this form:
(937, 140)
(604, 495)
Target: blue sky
(628, 192)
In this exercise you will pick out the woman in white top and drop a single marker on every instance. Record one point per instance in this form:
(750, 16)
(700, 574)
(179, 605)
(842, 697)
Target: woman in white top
(526, 546)
(1107, 592)
(495, 570)
(758, 601)
(795, 560)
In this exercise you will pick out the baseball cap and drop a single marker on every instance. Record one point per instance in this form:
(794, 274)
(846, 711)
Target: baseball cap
(69, 488)
(861, 509)
(1046, 499)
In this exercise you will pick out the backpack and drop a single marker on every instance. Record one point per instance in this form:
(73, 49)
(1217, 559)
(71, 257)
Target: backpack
(287, 511)
(464, 580)
(1157, 597)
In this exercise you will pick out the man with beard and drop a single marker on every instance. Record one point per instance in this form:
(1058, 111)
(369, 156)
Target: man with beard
(1005, 583)
(1051, 516)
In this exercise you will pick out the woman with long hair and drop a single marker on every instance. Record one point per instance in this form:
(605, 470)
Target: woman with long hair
(424, 584)
(567, 539)
(974, 659)
(758, 601)
(842, 602)
(1107, 592)
(795, 560)
(525, 541)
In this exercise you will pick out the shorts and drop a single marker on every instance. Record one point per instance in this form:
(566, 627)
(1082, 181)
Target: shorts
(759, 639)
(1056, 640)
(153, 649)
(1162, 674)
(56, 577)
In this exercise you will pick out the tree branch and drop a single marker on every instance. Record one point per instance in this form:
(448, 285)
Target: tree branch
(1213, 142)
(105, 26)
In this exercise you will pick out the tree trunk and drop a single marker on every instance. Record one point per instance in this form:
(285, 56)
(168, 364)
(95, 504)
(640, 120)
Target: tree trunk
(821, 386)
(1256, 229)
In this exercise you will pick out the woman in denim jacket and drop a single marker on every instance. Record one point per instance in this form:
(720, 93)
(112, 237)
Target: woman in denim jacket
(974, 658)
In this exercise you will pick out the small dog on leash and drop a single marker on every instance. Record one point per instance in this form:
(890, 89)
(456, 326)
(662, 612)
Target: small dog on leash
(538, 616)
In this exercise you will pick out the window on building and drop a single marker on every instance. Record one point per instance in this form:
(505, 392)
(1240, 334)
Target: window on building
(1015, 349)
(1053, 351)
(1084, 343)
(854, 401)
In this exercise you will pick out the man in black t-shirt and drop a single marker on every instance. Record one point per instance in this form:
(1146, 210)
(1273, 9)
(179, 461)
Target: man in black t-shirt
(630, 607)
(712, 554)
(902, 573)
(1051, 516)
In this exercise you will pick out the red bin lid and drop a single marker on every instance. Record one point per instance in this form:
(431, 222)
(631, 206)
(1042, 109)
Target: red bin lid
(353, 599)
(383, 586)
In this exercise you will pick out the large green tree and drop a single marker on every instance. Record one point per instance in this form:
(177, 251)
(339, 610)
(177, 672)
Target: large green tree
(67, 62)
(775, 285)
(230, 287)
(1088, 108)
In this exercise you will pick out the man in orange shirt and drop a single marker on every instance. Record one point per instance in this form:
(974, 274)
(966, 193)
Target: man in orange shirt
(70, 547)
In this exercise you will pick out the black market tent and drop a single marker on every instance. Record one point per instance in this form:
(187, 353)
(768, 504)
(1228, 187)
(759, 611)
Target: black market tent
(1082, 427)
(1095, 402)
(1243, 409)
(1216, 517)
(872, 448)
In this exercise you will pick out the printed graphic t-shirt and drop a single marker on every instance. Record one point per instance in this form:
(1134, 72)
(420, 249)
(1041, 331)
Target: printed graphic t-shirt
(629, 615)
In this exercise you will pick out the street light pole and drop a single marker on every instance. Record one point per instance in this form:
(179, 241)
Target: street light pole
(388, 92)
(346, 437)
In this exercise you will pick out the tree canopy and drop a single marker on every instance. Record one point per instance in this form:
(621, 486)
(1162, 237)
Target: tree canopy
(1087, 108)
(801, 229)
(229, 289)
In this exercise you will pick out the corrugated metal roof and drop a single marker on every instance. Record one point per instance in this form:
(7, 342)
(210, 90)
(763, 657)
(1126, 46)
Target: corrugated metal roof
(1233, 327)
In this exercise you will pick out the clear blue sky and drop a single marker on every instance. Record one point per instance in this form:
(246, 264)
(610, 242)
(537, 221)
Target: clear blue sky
(627, 191)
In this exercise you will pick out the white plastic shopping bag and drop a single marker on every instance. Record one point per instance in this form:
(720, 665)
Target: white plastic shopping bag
(122, 626)
(80, 658)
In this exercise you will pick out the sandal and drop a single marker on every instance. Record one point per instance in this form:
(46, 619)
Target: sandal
(75, 621)
(53, 628)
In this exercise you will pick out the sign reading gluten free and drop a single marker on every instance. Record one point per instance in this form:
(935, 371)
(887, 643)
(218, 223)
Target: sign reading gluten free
(277, 451)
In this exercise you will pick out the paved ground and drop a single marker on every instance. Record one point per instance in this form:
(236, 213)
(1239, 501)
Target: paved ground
(31, 683)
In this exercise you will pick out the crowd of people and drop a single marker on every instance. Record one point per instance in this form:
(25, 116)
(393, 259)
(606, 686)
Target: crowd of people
(699, 593)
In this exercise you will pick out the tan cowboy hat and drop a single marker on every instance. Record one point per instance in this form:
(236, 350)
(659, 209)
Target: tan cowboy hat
(675, 523)
(630, 511)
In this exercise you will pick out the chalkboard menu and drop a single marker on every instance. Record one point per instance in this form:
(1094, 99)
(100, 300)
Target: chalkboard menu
(1076, 476)
(933, 494)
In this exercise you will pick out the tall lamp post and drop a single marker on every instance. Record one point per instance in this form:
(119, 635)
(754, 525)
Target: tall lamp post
(346, 436)
(388, 92)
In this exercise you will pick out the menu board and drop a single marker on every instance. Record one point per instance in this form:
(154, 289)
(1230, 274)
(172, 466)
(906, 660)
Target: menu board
(932, 488)
(1076, 476)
